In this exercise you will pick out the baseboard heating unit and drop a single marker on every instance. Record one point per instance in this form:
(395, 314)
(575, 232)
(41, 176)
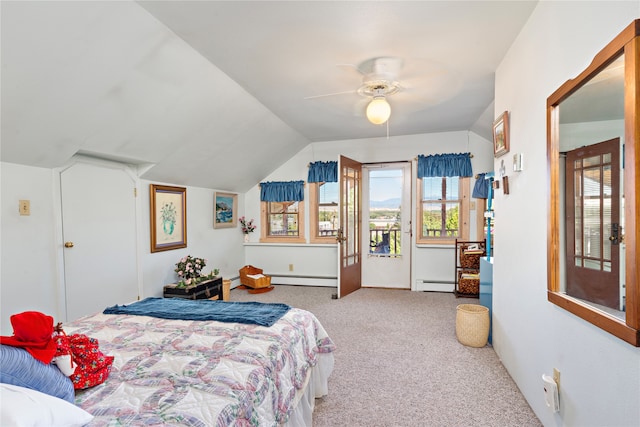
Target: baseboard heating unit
(435, 285)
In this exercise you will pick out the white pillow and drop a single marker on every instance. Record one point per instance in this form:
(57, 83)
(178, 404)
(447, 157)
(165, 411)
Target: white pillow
(23, 407)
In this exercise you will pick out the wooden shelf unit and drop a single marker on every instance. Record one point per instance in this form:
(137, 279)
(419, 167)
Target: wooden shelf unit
(468, 263)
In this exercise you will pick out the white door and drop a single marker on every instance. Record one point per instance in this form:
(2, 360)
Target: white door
(386, 231)
(99, 233)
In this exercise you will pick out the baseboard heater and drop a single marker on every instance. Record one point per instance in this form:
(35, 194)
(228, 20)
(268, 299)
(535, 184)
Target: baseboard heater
(306, 280)
(435, 285)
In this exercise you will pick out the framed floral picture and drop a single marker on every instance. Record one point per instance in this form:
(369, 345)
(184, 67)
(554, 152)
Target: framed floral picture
(501, 135)
(168, 217)
(225, 210)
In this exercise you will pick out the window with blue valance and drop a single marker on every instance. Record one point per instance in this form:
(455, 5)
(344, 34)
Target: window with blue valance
(442, 165)
(323, 172)
(282, 191)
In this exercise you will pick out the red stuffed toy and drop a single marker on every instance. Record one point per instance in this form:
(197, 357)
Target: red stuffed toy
(63, 357)
(93, 366)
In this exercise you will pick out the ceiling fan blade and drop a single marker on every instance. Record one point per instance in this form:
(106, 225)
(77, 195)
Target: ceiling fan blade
(330, 94)
(381, 66)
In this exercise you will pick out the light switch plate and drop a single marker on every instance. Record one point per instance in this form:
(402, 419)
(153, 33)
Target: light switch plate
(24, 207)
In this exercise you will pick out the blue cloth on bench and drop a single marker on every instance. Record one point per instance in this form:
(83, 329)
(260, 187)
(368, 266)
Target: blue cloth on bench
(254, 313)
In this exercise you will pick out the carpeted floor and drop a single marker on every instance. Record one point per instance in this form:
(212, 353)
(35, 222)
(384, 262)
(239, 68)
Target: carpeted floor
(398, 362)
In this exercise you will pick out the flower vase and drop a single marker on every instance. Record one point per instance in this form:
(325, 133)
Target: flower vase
(168, 226)
(246, 238)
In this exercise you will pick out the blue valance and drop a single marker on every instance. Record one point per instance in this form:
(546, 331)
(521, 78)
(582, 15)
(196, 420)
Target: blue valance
(482, 186)
(323, 172)
(282, 191)
(440, 165)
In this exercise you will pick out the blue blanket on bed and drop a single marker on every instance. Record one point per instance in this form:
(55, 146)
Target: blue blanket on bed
(250, 312)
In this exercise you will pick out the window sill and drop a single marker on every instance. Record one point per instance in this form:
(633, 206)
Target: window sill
(286, 240)
(293, 244)
(443, 245)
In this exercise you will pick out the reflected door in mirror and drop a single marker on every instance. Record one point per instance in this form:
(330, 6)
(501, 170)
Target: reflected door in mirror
(593, 217)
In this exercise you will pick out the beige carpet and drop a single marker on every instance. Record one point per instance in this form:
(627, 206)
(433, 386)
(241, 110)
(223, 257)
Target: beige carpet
(398, 362)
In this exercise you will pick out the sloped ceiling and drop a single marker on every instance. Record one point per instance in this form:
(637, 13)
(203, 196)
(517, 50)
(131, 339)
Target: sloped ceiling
(212, 94)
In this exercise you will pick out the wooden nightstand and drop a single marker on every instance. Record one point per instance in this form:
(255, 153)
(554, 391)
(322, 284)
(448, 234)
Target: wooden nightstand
(209, 289)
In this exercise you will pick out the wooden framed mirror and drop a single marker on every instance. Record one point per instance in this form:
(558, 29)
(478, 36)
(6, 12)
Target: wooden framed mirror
(593, 156)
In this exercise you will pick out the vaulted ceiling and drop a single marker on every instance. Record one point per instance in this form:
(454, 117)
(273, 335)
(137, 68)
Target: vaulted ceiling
(218, 94)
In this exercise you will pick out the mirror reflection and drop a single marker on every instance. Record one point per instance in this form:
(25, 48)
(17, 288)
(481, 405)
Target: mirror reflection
(591, 140)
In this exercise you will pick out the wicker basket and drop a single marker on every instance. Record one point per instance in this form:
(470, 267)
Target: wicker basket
(469, 260)
(472, 325)
(468, 286)
(255, 283)
(226, 288)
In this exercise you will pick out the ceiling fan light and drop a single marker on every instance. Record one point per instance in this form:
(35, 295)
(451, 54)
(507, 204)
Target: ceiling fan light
(378, 110)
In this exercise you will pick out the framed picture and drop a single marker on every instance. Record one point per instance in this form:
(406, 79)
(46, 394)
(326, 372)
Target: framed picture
(501, 135)
(168, 217)
(225, 210)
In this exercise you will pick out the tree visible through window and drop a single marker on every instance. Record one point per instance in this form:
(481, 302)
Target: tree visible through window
(442, 206)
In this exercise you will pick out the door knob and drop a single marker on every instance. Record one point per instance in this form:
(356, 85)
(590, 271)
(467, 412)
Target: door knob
(68, 244)
(615, 234)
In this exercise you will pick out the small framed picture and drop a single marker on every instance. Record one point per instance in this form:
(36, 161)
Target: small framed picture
(225, 210)
(501, 135)
(168, 217)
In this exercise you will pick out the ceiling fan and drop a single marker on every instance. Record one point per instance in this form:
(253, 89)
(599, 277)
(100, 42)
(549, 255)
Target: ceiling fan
(380, 80)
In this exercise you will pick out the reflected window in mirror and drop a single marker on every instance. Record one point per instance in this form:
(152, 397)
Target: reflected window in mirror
(592, 147)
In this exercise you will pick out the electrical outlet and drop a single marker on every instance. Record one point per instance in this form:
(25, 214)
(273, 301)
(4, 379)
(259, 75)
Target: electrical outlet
(556, 377)
(290, 267)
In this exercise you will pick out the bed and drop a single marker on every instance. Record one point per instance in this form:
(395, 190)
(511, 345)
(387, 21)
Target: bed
(207, 372)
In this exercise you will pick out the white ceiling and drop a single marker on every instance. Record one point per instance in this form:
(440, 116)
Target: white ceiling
(194, 90)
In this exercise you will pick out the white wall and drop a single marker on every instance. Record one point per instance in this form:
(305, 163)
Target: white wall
(429, 260)
(221, 247)
(28, 264)
(31, 270)
(600, 374)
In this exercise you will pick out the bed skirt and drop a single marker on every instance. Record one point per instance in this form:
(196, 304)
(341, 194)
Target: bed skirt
(316, 387)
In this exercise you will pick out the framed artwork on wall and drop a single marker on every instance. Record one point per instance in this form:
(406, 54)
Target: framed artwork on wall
(168, 217)
(225, 210)
(501, 135)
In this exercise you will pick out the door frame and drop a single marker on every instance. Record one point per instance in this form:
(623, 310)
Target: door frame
(407, 217)
(129, 169)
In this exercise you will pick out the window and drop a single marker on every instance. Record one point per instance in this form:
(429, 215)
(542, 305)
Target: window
(324, 217)
(282, 222)
(443, 209)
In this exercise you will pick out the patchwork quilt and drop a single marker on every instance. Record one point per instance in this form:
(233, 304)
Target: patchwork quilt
(201, 373)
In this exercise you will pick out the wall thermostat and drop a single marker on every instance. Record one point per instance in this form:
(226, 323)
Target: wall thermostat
(517, 162)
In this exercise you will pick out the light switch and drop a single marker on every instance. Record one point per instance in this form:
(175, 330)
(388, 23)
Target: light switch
(25, 207)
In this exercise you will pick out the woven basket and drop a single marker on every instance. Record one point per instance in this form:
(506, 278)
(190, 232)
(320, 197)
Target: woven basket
(468, 286)
(472, 325)
(226, 288)
(469, 260)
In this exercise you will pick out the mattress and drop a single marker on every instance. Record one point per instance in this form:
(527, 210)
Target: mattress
(207, 373)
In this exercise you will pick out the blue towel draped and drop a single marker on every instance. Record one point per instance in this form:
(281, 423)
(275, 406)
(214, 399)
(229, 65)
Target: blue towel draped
(481, 188)
(250, 312)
